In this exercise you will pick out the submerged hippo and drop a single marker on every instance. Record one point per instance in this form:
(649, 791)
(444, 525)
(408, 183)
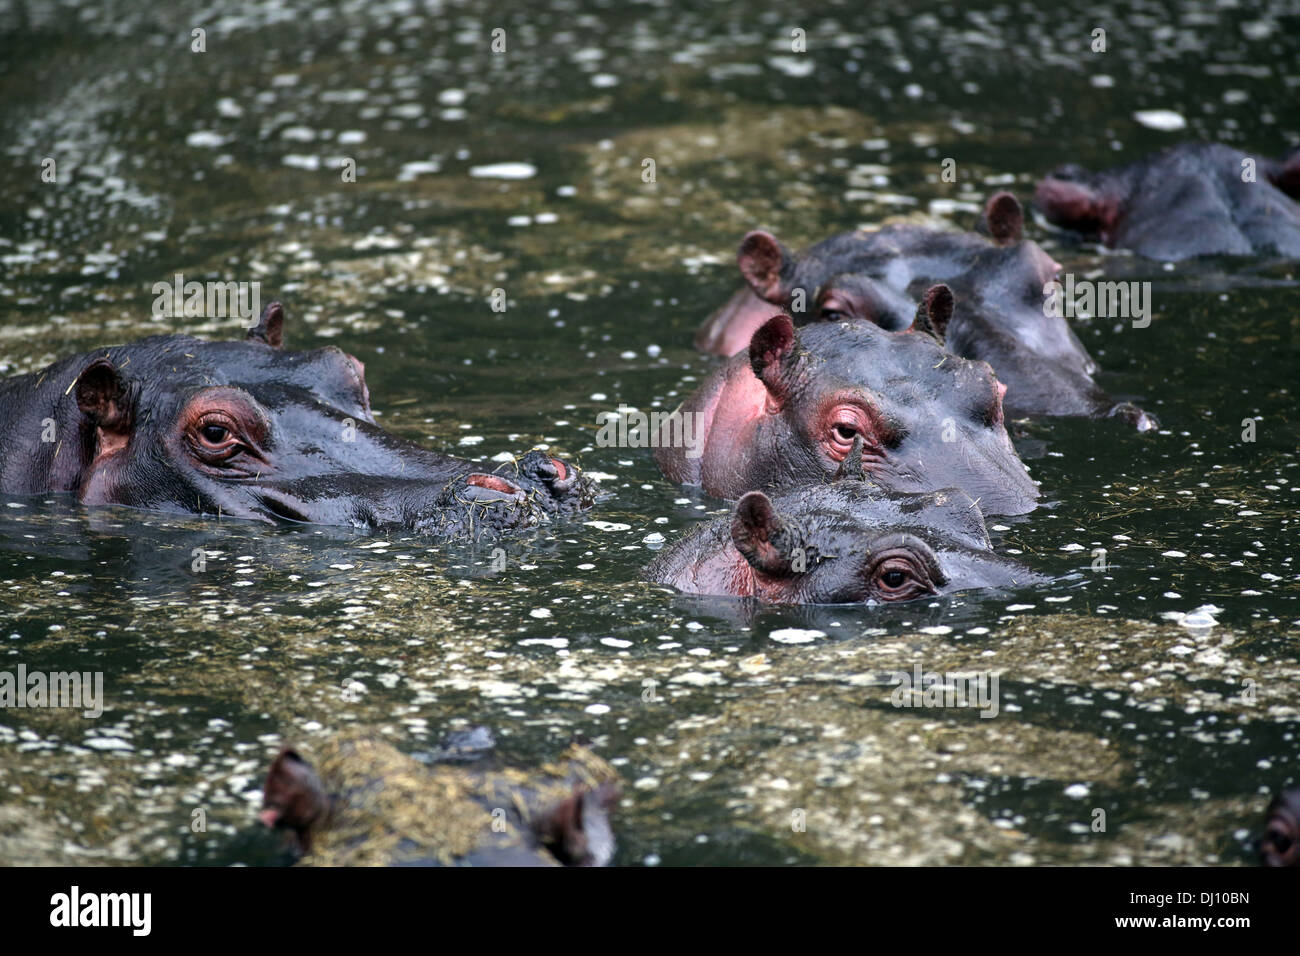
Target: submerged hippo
(252, 430)
(788, 412)
(998, 313)
(1280, 844)
(1194, 199)
(845, 542)
(364, 803)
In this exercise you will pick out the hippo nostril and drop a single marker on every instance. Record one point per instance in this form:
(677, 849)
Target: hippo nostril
(492, 483)
(560, 471)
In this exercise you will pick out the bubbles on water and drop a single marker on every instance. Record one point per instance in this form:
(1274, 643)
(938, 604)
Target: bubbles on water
(504, 171)
(1164, 120)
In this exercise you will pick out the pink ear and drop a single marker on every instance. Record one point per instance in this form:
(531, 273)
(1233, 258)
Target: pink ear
(1005, 218)
(576, 830)
(753, 531)
(270, 327)
(762, 259)
(934, 312)
(769, 349)
(103, 397)
(293, 797)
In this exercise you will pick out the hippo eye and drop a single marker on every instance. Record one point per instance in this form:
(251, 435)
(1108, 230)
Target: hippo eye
(833, 310)
(898, 579)
(899, 574)
(843, 423)
(225, 431)
(216, 437)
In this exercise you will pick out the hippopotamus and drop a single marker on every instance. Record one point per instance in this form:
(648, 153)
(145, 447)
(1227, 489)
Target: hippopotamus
(788, 412)
(250, 429)
(363, 802)
(1280, 844)
(1193, 199)
(998, 280)
(842, 542)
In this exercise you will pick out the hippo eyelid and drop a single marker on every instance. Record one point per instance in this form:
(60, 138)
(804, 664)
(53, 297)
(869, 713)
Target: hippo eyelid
(911, 543)
(230, 402)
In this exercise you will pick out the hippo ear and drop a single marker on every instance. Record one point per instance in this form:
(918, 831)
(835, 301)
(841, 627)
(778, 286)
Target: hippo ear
(934, 312)
(762, 536)
(270, 328)
(104, 398)
(576, 830)
(293, 797)
(1004, 218)
(1286, 175)
(770, 351)
(763, 262)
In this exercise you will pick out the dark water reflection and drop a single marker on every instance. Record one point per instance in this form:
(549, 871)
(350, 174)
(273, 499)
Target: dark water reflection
(226, 165)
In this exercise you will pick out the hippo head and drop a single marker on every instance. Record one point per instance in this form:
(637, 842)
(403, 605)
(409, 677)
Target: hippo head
(250, 429)
(845, 542)
(1002, 284)
(1280, 844)
(878, 275)
(926, 419)
(1187, 200)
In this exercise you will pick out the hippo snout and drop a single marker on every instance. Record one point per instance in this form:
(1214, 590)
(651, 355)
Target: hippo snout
(557, 487)
(478, 505)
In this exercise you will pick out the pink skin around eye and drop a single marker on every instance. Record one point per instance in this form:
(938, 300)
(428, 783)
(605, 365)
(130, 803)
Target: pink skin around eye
(834, 304)
(850, 417)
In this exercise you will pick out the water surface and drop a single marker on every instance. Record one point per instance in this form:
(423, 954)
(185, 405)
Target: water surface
(735, 747)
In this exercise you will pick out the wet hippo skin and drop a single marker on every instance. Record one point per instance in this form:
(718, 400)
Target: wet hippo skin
(1194, 199)
(842, 542)
(996, 276)
(250, 429)
(788, 412)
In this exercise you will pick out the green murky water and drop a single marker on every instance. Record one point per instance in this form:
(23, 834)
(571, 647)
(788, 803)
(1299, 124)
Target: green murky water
(226, 165)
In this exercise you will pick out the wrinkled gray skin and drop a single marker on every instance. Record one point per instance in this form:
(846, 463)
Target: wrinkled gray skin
(997, 281)
(847, 542)
(787, 413)
(252, 430)
(1185, 201)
